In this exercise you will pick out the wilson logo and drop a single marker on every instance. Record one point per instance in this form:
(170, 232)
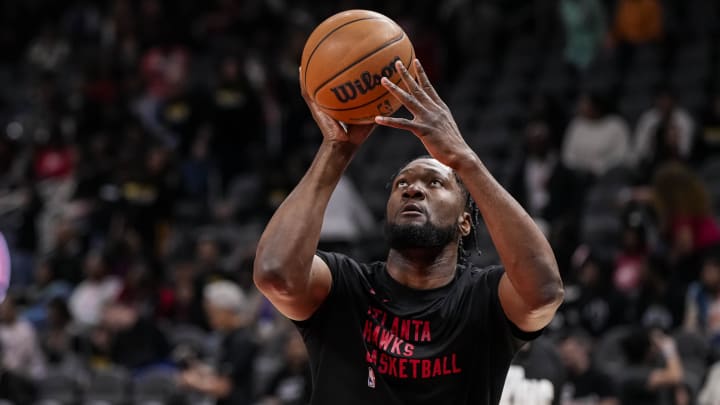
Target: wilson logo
(365, 83)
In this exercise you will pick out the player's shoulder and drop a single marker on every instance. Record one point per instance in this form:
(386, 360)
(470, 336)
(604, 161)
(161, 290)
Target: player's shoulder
(488, 276)
(348, 266)
(479, 272)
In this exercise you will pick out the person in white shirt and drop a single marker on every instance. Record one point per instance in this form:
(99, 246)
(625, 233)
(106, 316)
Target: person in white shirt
(21, 352)
(90, 297)
(676, 121)
(596, 141)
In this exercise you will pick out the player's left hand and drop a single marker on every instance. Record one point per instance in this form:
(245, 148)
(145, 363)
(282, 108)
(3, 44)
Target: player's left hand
(432, 121)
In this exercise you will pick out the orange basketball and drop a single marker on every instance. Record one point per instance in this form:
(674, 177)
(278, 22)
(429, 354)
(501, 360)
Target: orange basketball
(344, 59)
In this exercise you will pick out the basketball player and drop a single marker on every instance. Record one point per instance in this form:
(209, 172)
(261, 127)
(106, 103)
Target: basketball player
(420, 328)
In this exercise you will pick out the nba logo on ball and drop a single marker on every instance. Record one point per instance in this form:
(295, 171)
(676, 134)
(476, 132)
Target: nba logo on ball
(371, 377)
(345, 59)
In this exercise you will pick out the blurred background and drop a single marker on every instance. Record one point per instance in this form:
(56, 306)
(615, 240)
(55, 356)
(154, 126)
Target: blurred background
(145, 143)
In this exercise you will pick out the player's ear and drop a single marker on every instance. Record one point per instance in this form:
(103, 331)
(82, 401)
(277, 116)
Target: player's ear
(465, 223)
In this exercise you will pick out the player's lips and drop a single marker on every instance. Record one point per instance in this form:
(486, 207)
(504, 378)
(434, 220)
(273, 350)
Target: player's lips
(412, 209)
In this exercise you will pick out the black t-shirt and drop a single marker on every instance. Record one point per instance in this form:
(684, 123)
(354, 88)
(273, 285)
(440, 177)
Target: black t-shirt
(376, 341)
(237, 356)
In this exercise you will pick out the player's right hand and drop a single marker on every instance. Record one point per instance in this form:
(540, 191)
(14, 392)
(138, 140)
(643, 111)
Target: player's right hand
(335, 131)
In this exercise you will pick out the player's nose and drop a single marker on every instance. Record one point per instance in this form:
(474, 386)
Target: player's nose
(413, 190)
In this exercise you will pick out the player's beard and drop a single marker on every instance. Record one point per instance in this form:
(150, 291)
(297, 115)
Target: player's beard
(414, 236)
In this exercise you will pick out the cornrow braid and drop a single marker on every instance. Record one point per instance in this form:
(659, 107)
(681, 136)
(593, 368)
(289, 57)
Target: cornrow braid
(474, 236)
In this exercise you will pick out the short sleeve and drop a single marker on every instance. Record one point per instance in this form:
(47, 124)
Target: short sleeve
(345, 273)
(497, 315)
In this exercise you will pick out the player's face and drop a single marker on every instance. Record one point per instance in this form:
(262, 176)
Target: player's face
(426, 202)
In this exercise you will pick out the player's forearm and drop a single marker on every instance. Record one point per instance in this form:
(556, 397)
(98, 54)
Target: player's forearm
(524, 251)
(287, 246)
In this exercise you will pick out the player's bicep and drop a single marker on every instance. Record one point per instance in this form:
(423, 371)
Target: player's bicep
(300, 305)
(517, 311)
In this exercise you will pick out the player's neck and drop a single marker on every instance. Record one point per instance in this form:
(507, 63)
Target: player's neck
(423, 269)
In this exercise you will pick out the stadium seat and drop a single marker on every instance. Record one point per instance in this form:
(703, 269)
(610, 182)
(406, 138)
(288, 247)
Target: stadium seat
(608, 355)
(188, 336)
(108, 387)
(58, 388)
(153, 386)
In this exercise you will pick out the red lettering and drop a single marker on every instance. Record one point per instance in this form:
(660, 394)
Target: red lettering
(371, 357)
(367, 330)
(378, 315)
(437, 368)
(409, 350)
(405, 329)
(383, 364)
(385, 339)
(414, 363)
(417, 324)
(456, 369)
(402, 363)
(426, 332)
(395, 349)
(392, 366)
(446, 370)
(426, 368)
(376, 334)
(394, 327)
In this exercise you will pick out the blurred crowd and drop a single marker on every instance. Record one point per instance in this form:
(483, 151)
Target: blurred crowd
(145, 143)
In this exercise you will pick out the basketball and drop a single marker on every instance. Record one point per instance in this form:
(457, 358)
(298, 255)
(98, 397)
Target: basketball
(345, 58)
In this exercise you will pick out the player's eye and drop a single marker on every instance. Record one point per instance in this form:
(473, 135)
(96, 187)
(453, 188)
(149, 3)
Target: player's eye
(401, 183)
(436, 183)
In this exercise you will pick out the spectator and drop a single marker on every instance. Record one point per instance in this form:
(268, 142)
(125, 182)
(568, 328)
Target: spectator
(664, 132)
(591, 304)
(595, 141)
(90, 297)
(660, 300)
(231, 381)
(292, 384)
(179, 301)
(39, 294)
(66, 259)
(585, 29)
(21, 352)
(631, 262)
(586, 384)
(136, 341)
(58, 336)
(549, 191)
(536, 375)
(710, 131)
(148, 192)
(542, 184)
(196, 170)
(710, 392)
(637, 22)
(685, 216)
(237, 120)
(702, 309)
(641, 382)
